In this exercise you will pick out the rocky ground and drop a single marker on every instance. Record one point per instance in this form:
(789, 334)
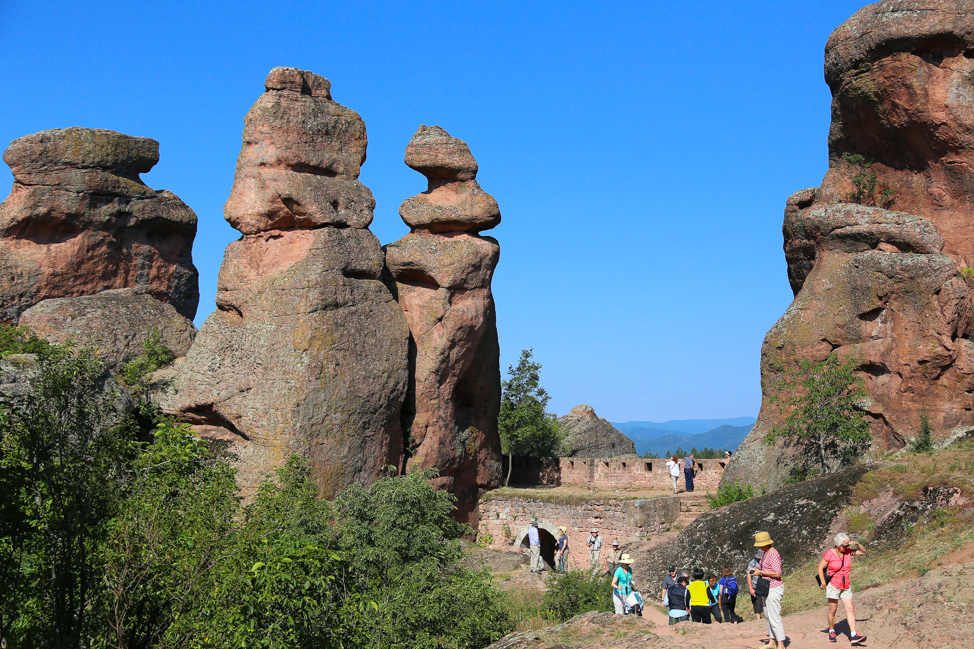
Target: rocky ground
(916, 613)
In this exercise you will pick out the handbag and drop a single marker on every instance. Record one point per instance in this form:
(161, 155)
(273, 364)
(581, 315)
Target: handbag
(828, 575)
(762, 587)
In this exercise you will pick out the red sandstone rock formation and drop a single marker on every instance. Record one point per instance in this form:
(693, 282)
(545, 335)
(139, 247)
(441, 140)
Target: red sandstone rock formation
(442, 271)
(116, 323)
(79, 221)
(883, 286)
(307, 352)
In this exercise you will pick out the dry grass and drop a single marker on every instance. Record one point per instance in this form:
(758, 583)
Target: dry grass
(524, 607)
(926, 544)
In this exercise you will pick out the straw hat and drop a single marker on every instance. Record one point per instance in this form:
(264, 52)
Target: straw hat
(625, 559)
(762, 539)
(562, 529)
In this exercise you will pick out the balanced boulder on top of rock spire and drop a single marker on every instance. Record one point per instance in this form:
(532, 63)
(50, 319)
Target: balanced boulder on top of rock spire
(442, 271)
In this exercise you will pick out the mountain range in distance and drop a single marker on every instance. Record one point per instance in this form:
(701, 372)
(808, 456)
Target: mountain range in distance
(659, 438)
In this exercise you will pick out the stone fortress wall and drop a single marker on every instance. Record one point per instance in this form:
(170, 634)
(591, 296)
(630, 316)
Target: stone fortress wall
(608, 473)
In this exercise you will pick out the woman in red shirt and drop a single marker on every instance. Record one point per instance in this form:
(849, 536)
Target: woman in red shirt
(838, 561)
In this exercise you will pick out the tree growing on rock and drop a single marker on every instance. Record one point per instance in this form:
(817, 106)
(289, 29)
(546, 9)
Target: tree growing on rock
(525, 427)
(826, 420)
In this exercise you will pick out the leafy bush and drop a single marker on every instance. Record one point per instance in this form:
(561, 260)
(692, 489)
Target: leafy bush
(576, 592)
(730, 493)
(20, 340)
(106, 541)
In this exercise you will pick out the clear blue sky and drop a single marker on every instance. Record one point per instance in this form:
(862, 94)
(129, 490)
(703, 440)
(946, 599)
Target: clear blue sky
(641, 153)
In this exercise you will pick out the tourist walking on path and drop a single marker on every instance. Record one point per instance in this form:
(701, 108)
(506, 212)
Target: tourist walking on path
(688, 467)
(534, 542)
(838, 584)
(595, 543)
(674, 466)
(669, 581)
(676, 601)
(700, 598)
(770, 571)
(611, 559)
(561, 549)
(622, 584)
(728, 595)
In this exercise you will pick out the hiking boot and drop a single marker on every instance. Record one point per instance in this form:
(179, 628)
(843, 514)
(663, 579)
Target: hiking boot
(857, 638)
(832, 635)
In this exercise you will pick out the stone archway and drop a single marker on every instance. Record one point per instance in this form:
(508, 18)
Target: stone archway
(546, 534)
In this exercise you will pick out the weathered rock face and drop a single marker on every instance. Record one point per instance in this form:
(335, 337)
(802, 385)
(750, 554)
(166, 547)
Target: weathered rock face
(591, 436)
(883, 286)
(79, 221)
(902, 79)
(307, 351)
(441, 272)
(800, 518)
(116, 323)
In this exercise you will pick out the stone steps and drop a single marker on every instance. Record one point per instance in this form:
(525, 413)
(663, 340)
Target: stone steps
(691, 506)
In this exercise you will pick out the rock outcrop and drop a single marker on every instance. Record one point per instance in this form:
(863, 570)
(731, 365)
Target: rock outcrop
(591, 436)
(307, 351)
(441, 273)
(79, 220)
(116, 323)
(878, 255)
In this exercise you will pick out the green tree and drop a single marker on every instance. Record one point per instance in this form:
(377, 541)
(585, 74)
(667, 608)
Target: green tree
(825, 418)
(524, 425)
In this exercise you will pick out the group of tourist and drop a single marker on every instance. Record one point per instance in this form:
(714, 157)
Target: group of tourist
(688, 467)
(599, 561)
(691, 597)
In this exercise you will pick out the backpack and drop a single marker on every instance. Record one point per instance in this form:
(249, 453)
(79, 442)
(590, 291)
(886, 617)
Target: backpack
(730, 587)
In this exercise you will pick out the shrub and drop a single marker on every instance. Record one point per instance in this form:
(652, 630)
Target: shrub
(730, 493)
(576, 592)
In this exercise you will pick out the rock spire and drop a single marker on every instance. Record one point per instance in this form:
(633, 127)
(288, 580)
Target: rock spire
(307, 351)
(441, 273)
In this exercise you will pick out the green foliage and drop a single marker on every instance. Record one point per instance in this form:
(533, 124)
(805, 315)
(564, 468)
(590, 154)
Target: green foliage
(524, 425)
(21, 340)
(576, 592)
(825, 419)
(966, 272)
(706, 454)
(63, 467)
(923, 442)
(799, 474)
(864, 182)
(106, 541)
(155, 355)
(730, 493)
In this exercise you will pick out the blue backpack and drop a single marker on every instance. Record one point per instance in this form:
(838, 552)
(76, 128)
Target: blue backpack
(730, 587)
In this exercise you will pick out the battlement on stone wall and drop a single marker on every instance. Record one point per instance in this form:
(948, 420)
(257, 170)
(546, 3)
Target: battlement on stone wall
(613, 473)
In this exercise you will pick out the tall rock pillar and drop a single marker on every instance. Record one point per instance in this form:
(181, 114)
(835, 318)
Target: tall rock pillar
(307, 351)
(442, 271)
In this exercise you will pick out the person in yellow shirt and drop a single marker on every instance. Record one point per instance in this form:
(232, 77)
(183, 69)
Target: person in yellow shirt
(701, 598)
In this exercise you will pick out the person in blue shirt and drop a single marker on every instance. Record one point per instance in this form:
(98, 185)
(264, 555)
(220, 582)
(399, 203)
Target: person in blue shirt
(676, 600)
(561, 549)
(622, 584)
(534, 542)
(715, 603)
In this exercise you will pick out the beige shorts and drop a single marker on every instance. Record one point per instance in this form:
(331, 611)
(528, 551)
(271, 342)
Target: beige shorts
(831, 592)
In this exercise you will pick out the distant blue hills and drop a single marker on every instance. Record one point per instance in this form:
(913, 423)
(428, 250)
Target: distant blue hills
(659, 438)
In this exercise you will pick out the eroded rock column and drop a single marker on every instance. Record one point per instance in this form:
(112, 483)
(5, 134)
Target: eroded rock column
(442, 272)
(307, 351)
(79, 221)
(878, 256)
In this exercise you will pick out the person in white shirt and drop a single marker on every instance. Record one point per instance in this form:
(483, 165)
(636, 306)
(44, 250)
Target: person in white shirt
(674, 467)
(534, 541)
(595, 543)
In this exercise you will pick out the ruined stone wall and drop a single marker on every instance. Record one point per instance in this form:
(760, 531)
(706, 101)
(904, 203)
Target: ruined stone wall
(608, 473)
(504, 522)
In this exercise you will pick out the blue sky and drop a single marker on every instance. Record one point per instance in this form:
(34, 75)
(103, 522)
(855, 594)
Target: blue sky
(641, 153)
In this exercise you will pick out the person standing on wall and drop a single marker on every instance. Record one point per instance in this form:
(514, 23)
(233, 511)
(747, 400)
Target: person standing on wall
(770, 571)
(688, 468)
(674, 467)
(561, 550)
(534, 542)
(838, 561)
(595, 543)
